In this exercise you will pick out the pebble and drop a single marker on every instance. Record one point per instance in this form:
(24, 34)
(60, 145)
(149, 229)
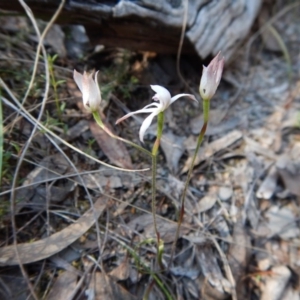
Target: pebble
(225, 193)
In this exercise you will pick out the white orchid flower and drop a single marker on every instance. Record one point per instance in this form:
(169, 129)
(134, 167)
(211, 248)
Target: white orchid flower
(211, 77)
(164, 99)
(90, 90)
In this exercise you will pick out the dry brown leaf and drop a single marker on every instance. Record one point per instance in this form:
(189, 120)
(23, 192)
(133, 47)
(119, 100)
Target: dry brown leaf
(35, 251)
(103, 287)
(63, 286)
(112, 148)
(122, 271)
(205, 203)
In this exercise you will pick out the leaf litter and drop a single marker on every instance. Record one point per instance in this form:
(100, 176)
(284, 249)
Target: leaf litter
(243, 196)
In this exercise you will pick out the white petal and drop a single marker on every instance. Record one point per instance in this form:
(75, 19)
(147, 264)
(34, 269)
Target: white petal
(141, 111)
(146, 124)
(78, 79)
(86, 86)
(173, 99)
(94, 93)
(162, 94)
(157, 105)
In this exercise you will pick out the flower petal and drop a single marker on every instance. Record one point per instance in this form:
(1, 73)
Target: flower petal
(140, 111)
(162, 94)
(86, 82)
(173, 99)
(94, 93)
(157, 105)
(78, 79)
(146, 124)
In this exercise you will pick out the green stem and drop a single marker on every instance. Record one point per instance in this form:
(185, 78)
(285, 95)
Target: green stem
(206, 104)
(54, 85)
(160, 124)
(98, 120)
(153, 202)
(140, 262)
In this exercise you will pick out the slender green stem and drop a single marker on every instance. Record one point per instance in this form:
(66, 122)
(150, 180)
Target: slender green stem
(153, 202)
(160, 124)
(206, 104)
(140, 262)
(54, 85)
(98, 120)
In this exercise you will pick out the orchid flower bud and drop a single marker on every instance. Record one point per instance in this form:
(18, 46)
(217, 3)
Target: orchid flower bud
(90, 90)
(211, 77)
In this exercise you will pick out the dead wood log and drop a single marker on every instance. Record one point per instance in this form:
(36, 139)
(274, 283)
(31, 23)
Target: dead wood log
(212, 25)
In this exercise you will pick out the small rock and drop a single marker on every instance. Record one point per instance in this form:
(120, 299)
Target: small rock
(225, 193)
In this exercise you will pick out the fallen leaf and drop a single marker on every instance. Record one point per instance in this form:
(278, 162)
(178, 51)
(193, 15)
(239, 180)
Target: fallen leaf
(205, 203)
(210, 149)
(172, 146)
(63, 287)
(103, 287)
(122, 271)
(112, 148)
(35, 251)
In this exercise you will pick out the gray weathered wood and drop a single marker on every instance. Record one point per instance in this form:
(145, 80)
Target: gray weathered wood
(212, 25)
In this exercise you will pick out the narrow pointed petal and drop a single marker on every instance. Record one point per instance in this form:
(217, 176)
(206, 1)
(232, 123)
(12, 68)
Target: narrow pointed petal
(156, 105)
(162, 95)
(173, 99)
(94, 93)
(86, 87)
(220, 70)
(141, 111)
(147, 122)
(78, 79)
